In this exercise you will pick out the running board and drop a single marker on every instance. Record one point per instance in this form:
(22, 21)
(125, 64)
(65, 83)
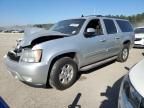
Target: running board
(85, 68)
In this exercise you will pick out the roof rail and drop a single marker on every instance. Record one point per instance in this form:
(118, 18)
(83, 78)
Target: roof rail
(92, 15)
(102, 16)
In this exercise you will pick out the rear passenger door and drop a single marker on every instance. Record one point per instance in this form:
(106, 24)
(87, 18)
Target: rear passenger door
(113, 38)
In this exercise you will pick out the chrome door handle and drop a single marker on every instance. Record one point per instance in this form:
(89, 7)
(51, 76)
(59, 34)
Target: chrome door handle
(117, 38)
(102, 40)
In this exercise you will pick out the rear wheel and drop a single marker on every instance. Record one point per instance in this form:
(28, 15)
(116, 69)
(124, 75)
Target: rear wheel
(123, 55)
(63, 73)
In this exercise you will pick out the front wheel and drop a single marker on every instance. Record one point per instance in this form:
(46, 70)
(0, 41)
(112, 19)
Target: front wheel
(123, 55)
(63, 73)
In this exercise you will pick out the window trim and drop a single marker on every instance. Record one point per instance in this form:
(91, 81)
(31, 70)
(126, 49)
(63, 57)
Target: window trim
(117, 20)
(114, 25)
(100, 25)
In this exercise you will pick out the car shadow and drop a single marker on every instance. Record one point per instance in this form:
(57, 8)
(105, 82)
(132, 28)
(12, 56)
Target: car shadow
(112, 94)
(138, 47)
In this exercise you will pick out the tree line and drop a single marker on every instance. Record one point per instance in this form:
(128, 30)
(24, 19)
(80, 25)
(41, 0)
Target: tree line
(136, 20)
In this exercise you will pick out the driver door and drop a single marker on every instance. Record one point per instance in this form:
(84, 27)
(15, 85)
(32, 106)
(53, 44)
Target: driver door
(94, 43)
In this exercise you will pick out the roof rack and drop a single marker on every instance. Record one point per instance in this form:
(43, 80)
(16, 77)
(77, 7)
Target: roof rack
(92, 15)
(102, 16)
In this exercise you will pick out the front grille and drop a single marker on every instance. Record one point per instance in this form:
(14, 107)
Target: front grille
(13, 56)
(138, 39)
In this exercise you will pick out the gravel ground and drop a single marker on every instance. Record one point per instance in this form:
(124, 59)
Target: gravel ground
(96, 88)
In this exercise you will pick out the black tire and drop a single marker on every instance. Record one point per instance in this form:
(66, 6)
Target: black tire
(55, 81)
(121, 57)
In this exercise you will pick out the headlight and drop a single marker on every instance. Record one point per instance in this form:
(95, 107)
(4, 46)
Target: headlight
(132, 95)
(31, 56)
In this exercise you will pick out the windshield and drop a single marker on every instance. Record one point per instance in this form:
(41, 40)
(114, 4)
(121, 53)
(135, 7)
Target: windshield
(70, 27)
(139, 30)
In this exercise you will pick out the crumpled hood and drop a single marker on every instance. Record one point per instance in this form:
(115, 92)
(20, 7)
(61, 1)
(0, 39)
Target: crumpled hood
(42, 35)
(136, 76)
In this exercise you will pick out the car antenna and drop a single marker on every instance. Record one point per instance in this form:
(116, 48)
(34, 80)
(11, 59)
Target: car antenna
(82, 15)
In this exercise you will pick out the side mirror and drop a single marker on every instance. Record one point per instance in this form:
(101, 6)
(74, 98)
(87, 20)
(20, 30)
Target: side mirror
(90, 32)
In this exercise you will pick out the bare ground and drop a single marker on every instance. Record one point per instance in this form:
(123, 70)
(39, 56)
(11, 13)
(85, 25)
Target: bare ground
(96, 88)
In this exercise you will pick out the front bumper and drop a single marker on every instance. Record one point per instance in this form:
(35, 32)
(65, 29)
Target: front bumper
(139, 44)
(31, 73)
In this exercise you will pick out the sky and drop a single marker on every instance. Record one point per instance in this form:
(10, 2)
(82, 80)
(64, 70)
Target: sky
(22, 12)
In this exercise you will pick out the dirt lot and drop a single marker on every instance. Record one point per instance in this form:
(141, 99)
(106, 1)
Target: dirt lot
(96, 88)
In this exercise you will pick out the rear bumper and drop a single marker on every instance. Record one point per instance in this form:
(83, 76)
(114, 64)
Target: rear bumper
(31, 73)
(139, 44)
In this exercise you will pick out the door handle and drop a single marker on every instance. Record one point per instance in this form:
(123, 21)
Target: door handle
(102, 40)
(117, 38)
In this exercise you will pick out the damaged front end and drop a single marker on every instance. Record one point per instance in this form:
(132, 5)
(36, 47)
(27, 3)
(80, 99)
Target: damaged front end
(23, 51)
(25, 62)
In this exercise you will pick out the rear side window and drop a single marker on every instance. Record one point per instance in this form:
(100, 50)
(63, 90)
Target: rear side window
(125, 26)
(110, 26)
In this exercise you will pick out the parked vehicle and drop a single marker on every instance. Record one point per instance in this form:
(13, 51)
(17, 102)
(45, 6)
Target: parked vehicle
(139, 37)
(132, 88)
(14, 31)
(73, 45)
(21, 31)
(7, 31)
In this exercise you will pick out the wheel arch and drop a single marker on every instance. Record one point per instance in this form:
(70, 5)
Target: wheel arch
(127, 42)
(72, 55)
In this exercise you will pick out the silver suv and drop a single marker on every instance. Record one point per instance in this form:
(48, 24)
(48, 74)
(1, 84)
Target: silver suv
(54, 57)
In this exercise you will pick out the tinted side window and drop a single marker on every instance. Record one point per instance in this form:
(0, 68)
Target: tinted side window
(125, 26)
(110, 26)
